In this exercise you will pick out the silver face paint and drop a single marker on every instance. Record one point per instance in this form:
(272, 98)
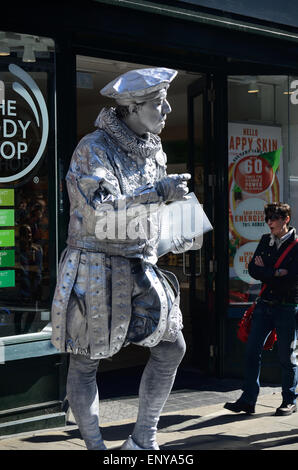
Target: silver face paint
(152, 115)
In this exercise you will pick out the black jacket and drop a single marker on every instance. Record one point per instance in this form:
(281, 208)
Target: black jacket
(284, 288)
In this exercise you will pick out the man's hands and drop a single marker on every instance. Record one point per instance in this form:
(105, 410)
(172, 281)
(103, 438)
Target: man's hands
(278, 272)
(259, 261)
(173, 187)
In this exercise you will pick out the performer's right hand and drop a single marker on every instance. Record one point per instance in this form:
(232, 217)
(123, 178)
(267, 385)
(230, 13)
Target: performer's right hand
(173, 187)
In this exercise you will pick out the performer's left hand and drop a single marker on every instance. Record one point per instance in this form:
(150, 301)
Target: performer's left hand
(181, 245)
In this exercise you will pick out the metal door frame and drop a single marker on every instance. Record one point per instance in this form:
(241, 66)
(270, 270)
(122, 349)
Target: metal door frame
(203, 87)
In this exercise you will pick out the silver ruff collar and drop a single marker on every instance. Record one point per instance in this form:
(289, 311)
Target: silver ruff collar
(130, 142)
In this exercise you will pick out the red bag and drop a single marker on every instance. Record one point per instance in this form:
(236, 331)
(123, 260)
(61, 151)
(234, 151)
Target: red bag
(244, 325)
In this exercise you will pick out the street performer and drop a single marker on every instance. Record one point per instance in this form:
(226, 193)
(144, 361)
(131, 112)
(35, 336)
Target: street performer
(277, 308)
(109, 292)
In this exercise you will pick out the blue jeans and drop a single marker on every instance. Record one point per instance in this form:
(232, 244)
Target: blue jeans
(265, 317)
(156, 384)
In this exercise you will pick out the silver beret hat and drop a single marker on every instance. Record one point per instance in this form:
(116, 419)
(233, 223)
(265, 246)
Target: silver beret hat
(138, 85)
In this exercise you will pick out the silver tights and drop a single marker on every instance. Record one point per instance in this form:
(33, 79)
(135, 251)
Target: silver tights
(156, 384)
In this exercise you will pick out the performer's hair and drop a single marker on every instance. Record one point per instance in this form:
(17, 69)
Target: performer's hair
(123, 110)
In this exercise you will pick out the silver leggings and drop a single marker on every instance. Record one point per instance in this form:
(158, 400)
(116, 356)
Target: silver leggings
(156, 384)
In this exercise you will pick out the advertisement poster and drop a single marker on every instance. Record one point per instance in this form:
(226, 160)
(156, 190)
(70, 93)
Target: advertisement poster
(255, 178)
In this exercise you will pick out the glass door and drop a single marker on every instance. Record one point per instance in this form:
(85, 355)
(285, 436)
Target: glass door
(198, 263)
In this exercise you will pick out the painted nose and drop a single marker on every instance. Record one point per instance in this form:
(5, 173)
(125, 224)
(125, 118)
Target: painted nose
(166, 108)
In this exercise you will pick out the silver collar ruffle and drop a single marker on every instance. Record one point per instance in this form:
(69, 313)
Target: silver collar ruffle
(133, 144)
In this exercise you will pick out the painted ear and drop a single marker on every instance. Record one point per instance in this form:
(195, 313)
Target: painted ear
(132, 108)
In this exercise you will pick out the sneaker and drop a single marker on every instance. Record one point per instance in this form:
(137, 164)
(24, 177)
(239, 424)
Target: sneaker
(240, 406)
(130, 444)
(286, 409)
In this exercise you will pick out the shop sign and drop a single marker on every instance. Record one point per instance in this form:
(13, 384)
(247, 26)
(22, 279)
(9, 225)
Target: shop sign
(7, 258)
(7, 238)
(25, 126)
(255, 178)
(242, 257)
(7, 278)
(6, 197)
(249, 220)
(7, 217)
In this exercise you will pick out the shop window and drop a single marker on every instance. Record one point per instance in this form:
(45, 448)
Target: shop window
(263, 119)
(27, 182)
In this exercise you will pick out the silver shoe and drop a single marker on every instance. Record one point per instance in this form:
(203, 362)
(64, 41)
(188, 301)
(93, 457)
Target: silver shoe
(100, 446)
(130, 444)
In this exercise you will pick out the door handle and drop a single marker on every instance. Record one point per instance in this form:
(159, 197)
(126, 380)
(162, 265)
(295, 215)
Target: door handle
(197, 274)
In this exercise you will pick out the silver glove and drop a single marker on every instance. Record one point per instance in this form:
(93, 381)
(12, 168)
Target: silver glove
(173, 187)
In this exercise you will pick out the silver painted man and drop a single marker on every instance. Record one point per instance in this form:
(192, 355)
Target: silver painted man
(110, 292)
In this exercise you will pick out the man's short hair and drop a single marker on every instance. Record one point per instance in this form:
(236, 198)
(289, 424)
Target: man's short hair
(279, 209)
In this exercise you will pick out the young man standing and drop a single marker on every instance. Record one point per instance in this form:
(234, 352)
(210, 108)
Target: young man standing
(276, 308)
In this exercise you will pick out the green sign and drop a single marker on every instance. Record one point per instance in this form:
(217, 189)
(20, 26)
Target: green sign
(6, 197)
(7, 258)
(6, 217)
(7, 238)
(7, 278)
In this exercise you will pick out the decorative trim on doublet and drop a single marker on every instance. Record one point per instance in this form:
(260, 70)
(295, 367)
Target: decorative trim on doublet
(153, 339)
(97, 309)
(121, 302)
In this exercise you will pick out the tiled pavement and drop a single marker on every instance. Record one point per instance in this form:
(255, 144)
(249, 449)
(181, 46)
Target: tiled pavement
(198, 391)
(193, 419)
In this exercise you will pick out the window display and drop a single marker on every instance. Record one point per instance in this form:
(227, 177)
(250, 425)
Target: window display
(27, 162)
(259, 145)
